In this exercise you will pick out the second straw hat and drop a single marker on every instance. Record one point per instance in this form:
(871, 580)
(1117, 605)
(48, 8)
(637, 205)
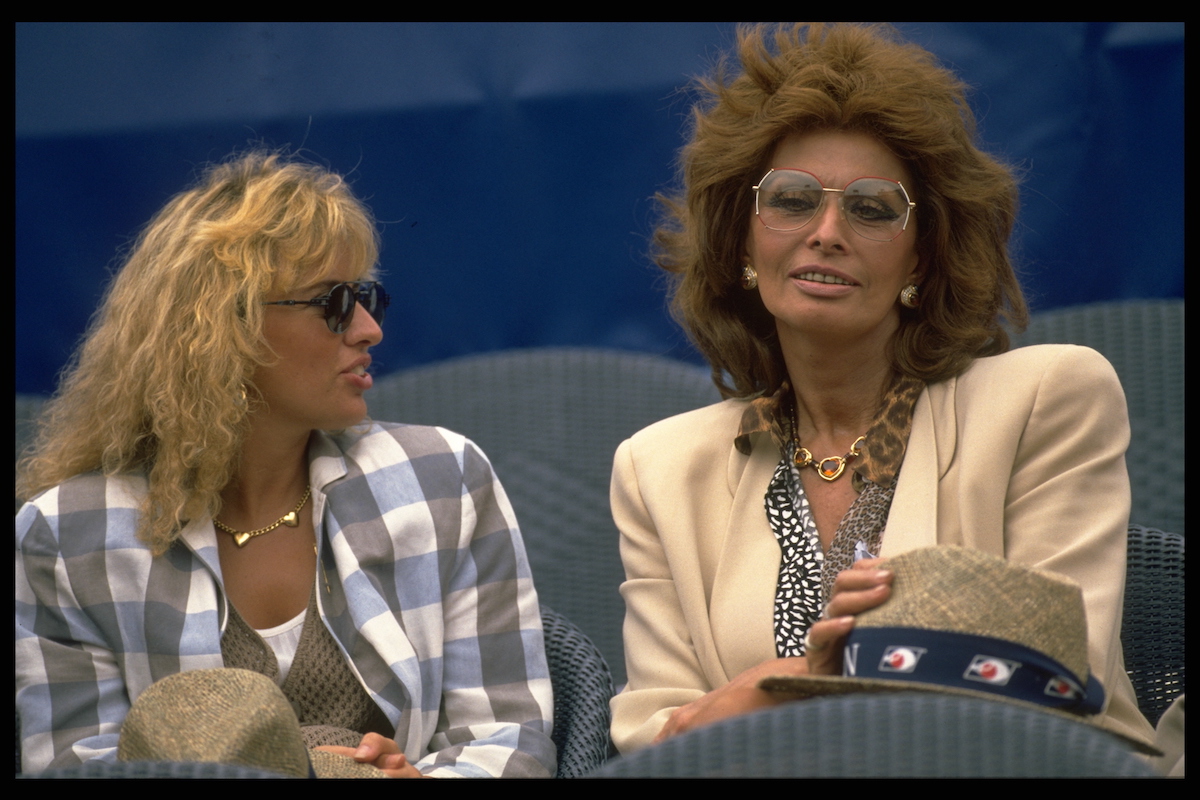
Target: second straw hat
(229, 716)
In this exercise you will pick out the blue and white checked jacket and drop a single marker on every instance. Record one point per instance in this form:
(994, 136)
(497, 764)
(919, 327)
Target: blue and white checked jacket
(426, 588)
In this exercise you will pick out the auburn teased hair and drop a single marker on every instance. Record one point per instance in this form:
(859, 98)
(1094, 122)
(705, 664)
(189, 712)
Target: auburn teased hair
(811, 77)
(159, 385)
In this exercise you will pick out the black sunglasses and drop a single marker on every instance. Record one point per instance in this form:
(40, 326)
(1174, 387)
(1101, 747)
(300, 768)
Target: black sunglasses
(339, 303)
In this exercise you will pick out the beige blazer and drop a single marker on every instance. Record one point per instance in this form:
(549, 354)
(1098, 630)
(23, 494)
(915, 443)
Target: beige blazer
(1023, 456)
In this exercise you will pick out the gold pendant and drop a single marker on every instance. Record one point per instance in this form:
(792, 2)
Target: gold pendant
(831, 468)
(240, 539)
(802, 457)
(291, 520)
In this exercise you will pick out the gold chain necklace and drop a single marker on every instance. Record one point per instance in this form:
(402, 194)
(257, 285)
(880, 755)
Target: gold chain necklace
(290, 519)
(829, 468)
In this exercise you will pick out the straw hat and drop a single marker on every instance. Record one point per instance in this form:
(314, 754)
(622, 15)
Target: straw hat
(230, 716)
(961, 621)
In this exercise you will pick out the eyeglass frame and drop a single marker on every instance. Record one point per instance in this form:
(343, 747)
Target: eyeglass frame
(361, 294)
(908, 208)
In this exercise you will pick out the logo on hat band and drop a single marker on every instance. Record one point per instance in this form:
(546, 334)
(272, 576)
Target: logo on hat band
(900, 659)
(989, 669)
(1062, 687)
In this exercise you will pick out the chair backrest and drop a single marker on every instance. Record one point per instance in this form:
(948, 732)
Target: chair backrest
(550, 420)
(1152, 629)
(895, 735)
(582, 688)
(1144, 341)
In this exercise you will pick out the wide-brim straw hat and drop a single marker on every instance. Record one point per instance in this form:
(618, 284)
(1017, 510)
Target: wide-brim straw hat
(229, 716)
(961, 621)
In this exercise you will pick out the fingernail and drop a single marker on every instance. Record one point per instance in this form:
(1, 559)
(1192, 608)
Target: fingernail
(362, 752)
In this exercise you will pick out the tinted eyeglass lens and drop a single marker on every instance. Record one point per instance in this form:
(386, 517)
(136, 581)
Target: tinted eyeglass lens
(375, 300)
(343, 299)
(340, 310)
(378, 302)
(875, 208)
(788, 200)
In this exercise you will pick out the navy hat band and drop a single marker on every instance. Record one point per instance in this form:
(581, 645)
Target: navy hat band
(967, 661)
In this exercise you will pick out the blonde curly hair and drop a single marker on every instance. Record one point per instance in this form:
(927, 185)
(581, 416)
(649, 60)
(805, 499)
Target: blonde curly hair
(811, 77)
(159, 385)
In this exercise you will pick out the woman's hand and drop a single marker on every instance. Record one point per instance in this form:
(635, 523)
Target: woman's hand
(862, 587)
(855, 590)
(740, 696)
(380, 752)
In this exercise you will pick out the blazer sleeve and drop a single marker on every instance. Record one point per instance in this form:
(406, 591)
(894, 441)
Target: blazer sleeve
(664, 671)
(496, 706)
(70, 691)
(1067, 506)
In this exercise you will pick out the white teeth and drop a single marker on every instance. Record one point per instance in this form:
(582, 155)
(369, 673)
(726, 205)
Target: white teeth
(359, 370)
(822, 278)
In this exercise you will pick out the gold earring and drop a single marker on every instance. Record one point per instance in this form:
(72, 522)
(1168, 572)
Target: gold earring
(909, 297)
(749, 278)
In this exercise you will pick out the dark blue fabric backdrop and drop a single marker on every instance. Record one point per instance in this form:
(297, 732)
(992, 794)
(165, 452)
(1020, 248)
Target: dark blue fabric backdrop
(512, 165)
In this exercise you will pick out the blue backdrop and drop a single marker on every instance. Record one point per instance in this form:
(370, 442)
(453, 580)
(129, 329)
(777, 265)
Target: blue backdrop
(512, 165)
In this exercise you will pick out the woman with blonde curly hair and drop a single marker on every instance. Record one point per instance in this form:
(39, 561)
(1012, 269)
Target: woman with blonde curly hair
(838, 252)
(204, 493)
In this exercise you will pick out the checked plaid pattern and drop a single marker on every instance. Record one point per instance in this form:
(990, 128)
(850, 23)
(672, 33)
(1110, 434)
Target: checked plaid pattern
(425, 586)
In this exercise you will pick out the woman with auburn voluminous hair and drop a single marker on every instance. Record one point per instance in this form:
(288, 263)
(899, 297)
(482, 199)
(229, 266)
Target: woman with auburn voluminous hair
(205, 492)
(838, 252)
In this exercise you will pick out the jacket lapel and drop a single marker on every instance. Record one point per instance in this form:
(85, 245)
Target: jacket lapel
(913, 519)
(358, 594)
(742, 609)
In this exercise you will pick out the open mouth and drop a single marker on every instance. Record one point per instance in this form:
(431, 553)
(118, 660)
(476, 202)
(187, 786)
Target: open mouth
(820, 277)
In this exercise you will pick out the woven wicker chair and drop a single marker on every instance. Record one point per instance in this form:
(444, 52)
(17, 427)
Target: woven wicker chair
(1144, 341)
(897, 735)
(582, 688)
(1152, 630)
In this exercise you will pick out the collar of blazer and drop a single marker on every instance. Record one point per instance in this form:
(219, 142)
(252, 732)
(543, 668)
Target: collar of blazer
(912, 520)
